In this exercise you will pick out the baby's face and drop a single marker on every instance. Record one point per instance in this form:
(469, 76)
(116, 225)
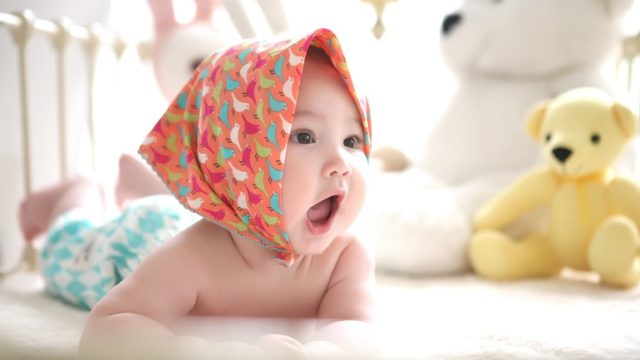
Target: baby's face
(324, 183)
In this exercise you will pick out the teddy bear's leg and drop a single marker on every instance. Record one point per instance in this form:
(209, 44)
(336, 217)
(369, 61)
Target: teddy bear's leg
(614, 252)
(495, 255)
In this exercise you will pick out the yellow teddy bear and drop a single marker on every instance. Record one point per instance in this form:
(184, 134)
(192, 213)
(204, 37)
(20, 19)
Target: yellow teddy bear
(593, 214)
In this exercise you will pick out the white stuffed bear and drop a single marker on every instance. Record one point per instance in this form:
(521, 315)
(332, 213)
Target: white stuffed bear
(507, 56)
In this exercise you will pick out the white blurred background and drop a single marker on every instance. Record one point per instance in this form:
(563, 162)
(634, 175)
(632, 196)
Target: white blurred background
(125, 113)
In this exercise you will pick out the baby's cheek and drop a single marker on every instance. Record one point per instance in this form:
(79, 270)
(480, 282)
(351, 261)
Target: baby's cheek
(293, 200)
(358, 191)
(361, 175)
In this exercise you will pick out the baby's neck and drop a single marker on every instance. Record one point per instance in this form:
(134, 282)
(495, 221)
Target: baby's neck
(254, 255)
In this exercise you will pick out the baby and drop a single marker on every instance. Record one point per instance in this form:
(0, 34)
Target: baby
(269, 144)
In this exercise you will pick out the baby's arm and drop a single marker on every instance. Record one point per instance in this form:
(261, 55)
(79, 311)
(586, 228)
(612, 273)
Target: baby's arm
(349, 294)
(349, 303)
(147, 301)
(343, 327)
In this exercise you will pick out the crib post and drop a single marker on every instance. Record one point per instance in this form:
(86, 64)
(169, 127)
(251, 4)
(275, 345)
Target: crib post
(379, 6)
(241, 20)
(91, 47)
(60, 42)
(22, 35)
(22, 26)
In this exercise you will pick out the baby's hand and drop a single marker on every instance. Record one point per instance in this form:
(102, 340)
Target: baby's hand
(283, 346)
(320, 349)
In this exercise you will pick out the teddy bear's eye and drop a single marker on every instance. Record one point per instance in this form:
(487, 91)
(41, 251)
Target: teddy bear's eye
(595, 139)
(547, 137)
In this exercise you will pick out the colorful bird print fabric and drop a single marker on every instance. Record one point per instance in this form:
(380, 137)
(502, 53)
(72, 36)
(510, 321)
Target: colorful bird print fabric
(220, 146)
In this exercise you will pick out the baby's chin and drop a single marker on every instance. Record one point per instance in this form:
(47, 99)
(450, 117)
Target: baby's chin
(308, 245)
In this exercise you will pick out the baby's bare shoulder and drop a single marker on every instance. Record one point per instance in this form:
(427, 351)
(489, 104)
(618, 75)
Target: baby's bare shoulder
(202, 242)
(350, 290)
(355, 252)
(350, 256)
(351, 244)
(201, 234)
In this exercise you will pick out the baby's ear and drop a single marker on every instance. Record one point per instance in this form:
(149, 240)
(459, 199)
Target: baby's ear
(625, 119)
(535, 118)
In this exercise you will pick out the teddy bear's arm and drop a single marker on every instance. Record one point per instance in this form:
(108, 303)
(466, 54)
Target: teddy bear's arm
(532, 190)
(624, 195)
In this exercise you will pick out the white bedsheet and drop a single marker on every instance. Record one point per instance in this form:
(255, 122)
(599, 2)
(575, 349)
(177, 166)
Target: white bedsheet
(443, 318)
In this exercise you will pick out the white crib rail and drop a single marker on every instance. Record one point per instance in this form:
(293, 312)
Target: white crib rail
(22, 26)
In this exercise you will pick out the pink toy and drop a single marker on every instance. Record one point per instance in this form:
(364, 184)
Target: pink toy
(179, 48)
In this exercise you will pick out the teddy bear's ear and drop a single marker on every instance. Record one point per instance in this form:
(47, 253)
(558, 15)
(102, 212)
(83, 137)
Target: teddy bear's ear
(627, 121)
(535, 118)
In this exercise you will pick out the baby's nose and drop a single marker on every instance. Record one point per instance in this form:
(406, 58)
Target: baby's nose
(337, 165)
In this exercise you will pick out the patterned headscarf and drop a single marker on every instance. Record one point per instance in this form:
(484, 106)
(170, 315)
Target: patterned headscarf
(220, 147)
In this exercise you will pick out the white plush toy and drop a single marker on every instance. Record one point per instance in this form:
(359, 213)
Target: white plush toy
(507, 55)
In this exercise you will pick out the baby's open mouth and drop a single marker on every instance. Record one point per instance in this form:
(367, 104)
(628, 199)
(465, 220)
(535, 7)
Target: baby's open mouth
(320, 213)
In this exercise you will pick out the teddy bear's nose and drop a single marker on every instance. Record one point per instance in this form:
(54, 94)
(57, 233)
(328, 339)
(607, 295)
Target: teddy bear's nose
(561, 153)
(450, 22)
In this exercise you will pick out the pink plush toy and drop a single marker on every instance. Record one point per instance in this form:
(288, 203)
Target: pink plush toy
(179, 48)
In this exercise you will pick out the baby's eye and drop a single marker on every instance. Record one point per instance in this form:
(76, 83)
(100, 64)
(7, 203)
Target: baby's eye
(352, 142)
(303, 137)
